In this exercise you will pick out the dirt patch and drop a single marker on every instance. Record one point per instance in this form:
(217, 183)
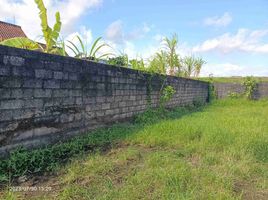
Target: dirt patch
(248, 191)
(194, 160)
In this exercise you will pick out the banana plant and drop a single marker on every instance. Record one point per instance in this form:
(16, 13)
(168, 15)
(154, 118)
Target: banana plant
(50, 35)
(81, 50)
(21, 42)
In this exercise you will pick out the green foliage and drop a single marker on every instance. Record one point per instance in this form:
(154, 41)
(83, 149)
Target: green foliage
(121, 60)
(138, 64)
(21, 42)
(166, 94)
(173, 61)
(188, 63)
(191, 66)
(23, 162)
(154, 115)
(199, 62)
(81, 50)
(50, 35)
(150, 116)
(250, 86)
(169, 59)
(158, 64)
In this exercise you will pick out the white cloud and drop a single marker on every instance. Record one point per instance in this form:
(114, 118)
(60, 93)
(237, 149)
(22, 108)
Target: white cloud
(139, 32)
(114, 32)
(218, 21)
(230, 69)
(121, 41)
(25, 13)
(244, 40)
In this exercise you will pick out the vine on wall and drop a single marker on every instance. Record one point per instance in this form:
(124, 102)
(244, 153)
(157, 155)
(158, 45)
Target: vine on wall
(250, 87)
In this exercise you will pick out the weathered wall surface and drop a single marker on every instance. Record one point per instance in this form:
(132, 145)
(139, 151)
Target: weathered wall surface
(223, 89)
(46, 98)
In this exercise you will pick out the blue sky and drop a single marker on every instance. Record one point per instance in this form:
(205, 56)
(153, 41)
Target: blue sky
(231, 35)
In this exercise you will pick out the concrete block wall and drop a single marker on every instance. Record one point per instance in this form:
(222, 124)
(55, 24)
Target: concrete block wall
(224, 89)
(47, 98)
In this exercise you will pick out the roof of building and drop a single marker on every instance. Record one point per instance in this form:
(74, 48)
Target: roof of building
(8, 31)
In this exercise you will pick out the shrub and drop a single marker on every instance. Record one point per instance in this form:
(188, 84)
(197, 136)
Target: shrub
(250, 86)
(121, 60)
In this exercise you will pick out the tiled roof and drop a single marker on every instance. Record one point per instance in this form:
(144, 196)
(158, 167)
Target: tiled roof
(8, 31)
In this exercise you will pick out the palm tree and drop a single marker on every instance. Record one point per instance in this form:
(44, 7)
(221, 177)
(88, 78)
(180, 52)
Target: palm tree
(189, 65)
(159, 63)
(172, 57)
(199, 62)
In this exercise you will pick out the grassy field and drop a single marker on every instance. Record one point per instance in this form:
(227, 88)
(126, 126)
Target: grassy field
(217, 152)
(232, 79)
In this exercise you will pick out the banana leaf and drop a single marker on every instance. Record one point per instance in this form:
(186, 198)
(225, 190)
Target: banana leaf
(21, 42)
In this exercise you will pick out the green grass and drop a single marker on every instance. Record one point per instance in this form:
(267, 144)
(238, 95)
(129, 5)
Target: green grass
(232, 79)
(216, 152)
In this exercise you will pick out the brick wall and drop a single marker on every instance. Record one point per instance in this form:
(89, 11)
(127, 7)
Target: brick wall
(223, 89)
(46, 98)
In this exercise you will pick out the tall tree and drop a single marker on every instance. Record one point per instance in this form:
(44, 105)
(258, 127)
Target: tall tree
(170, 45)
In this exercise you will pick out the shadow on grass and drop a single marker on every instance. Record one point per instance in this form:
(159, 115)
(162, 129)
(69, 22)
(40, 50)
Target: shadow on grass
(23, 162)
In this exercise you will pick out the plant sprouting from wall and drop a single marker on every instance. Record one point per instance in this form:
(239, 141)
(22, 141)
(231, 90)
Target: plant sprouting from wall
(166, 94)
